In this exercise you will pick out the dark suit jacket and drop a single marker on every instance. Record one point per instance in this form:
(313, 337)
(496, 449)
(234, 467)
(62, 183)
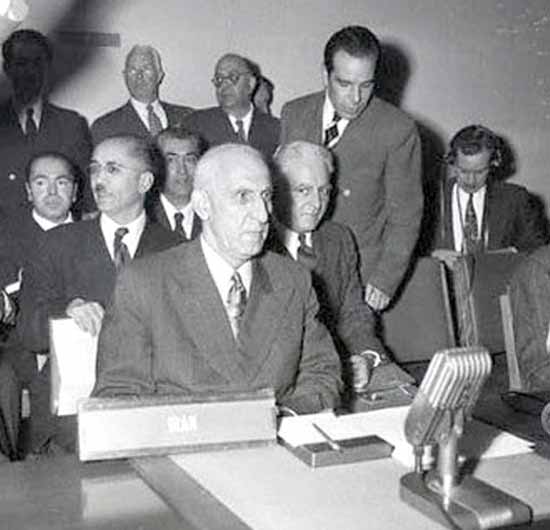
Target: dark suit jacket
(509, 219)
(125, 120)
(214, 127)
(167, 332)
(157, 213)
(530, 300)
(335, 278)
(378, 182)
(18, 244)
(61, 130)
(73, 262)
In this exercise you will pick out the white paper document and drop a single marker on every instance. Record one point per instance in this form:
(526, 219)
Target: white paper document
(480, 440)
(73, 357)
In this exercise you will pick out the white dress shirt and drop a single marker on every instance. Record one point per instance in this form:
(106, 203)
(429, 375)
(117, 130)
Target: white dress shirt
(143, 113)
(290, 240)
(328, 118)
(459, 202)
(247, 122)
(222, 272)
(46, 224)
(188, 215)
(37, 107)
(131, 239)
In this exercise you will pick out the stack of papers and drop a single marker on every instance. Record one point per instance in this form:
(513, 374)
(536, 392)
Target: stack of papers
(479, 441)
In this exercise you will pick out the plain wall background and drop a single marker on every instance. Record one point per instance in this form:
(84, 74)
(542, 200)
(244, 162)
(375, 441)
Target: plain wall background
(458, 61)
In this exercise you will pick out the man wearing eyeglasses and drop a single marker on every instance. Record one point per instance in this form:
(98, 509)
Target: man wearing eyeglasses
(169, 203)
(477, 211)
(76, 265)
(144, 115)
(377, 152)
(235, 120)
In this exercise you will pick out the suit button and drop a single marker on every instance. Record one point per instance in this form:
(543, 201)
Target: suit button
(12, 176)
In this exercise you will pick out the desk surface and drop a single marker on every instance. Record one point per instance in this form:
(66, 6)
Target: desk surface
(63, 494)
(269, 489)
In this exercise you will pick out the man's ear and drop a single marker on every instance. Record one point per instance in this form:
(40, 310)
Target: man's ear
(146, 180)
(75, 192)
(29, 192)
(201, 204)
(325, 75)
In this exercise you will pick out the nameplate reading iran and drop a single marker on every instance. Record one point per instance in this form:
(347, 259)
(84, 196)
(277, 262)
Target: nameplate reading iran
(117, 428)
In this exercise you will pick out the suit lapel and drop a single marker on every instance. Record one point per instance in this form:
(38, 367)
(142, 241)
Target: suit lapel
(197, 226)
(99, 247)
(266, 306)
(203, 309)
(134, 121)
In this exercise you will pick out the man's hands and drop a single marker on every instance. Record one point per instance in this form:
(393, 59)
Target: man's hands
(87, 315)
(377, 299)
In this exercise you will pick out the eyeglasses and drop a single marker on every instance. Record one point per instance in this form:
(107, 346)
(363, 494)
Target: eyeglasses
(145, 72)
(112, 169)
(187, 158)
(232, 77)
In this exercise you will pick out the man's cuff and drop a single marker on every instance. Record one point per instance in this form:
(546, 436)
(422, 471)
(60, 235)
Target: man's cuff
(374, 357)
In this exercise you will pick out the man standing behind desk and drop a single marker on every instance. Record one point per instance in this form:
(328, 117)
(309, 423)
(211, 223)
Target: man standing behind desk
(169, 203)
(377, 152)
(236, 119)
(76, 266)
(144, 114)
(216, 313)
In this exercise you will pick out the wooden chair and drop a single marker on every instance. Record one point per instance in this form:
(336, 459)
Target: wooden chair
(420, 321)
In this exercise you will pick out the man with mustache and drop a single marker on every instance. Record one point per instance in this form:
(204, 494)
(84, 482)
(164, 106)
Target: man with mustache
(230, 317)
(76, 265)
(235, 119)
(376, 147)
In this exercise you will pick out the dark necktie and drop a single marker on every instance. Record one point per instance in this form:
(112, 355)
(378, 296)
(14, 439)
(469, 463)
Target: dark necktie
(236, 302)
(121, 254)
(178, 224)
(31, 130)
(305, 254)
(331, 132)
(155, 125)
(471, 234)
(240, 132)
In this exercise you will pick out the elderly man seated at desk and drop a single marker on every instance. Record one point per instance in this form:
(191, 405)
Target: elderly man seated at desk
(217, 313)
(302, 194)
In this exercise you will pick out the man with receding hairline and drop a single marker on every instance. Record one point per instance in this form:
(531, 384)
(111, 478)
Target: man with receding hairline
(235, 119)
(144, 115)
(230, 316)
(76, 265)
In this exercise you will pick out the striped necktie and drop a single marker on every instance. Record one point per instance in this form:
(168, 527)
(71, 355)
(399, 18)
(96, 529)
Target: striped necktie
(31, 130)
(241, 135)
(155, 125)
(331, 132)
(178, 225)
(471, 233)
(121, 253)
(236, 302)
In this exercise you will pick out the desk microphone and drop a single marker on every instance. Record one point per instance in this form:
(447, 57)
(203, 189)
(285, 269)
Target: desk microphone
(437, 417)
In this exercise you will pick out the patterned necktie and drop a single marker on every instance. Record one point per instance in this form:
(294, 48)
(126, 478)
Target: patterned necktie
(178, 225)
(30, 129)
(121, 253)
(240, 132)
(236, 302)
(305, 254)
(155, 125)
(331, 132)
(470, 227)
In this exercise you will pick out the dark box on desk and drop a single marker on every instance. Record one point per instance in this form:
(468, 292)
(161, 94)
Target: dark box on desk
(352, 450)
(117, 428)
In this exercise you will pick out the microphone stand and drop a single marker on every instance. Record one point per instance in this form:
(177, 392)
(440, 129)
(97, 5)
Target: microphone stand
(468, 503)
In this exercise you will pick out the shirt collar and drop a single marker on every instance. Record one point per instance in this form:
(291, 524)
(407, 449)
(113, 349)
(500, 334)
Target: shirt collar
(246, 119)
(328, 114)
(289, 238)
(171, 210)
(221, 271)
(131, 239)
(46, 224)
(37, 106)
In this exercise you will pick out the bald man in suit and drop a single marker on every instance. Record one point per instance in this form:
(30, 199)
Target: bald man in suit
(228, 317)
(144, 115)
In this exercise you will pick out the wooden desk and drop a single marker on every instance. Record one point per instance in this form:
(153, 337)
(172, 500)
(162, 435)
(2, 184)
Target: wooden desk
(269, 489)
(63, 494)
